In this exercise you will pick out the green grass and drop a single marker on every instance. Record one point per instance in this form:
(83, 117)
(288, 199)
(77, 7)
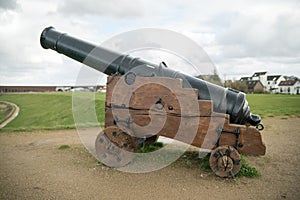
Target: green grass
(64, 146)
(40, 111)
(247, 171)
(270, 105)
(150, 147)
(6, 110)
(190, 159)
(46, 111)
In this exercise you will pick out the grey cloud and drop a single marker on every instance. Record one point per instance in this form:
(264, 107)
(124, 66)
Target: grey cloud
(8, 4)
(256, 37)
(239, 43)
(111, 8)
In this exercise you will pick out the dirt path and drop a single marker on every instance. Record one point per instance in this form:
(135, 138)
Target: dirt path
(13, 115)
(32, 167)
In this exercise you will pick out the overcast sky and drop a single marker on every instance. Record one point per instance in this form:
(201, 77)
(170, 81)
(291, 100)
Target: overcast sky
(240, 37)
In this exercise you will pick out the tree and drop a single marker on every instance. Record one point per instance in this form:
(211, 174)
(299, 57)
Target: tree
(228, 83)
(212, 78)
(237, 85)
(240, 86)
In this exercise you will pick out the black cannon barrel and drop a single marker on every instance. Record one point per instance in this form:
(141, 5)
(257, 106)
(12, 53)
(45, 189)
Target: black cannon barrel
(104, 60)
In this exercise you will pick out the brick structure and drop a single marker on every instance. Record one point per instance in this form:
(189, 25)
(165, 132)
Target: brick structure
(8, 89)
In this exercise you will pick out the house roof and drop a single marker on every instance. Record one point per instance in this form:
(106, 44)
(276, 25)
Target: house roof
(245, 78)
(291, 78)
(287, 83)
(273, 78)
(258, 74)
(252, 84)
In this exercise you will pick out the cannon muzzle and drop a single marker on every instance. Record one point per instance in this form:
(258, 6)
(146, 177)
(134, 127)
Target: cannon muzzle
(225, 100)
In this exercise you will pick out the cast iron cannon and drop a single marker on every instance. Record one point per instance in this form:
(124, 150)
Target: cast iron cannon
(155, 93)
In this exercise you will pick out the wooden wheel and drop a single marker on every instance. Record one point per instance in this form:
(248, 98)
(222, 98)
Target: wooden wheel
(114, 147)
(225, 161)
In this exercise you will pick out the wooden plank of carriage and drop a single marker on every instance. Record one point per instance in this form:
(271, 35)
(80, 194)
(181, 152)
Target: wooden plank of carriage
(160, 105)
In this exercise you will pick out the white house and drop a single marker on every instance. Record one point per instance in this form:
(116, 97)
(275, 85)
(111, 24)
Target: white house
(257, 76)
(272, 84)
(260, 76)
(289, 87)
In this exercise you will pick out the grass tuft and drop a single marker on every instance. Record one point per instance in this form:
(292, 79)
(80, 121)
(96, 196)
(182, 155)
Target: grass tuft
(64, 146)
(190, 159)
(150, 147)
(158, 144)
(247, 170)
(204, 164)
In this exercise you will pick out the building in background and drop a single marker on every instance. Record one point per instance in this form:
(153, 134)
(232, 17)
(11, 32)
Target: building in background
(271, 83)
(260, 76)
(256, 83)
(255, 86)
(12, 89)
(6, 89)
(289, 87)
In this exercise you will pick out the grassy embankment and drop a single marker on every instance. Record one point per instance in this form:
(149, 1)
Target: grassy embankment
(54, 110)
(46, 111)
(271, 105)
(6, 110)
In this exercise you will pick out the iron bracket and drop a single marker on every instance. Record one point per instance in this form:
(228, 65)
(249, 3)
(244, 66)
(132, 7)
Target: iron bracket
(236, 132)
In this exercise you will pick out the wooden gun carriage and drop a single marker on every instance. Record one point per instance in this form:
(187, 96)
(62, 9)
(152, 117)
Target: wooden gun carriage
(154, 101)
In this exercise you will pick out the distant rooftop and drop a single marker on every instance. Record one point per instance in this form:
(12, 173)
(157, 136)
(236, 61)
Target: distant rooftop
(245, 78)
(258, 74)
(273, 78)
(287, 83)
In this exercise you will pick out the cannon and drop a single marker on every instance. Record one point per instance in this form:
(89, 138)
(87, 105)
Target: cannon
(146, 100)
